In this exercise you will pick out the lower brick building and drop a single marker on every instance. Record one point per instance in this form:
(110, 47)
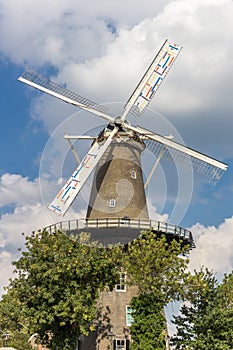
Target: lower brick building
(114, 319)
(112, 326)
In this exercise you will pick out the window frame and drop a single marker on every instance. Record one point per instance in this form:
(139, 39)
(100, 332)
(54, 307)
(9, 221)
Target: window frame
(133, 174)
(122, 283)
(128, 315)
(112, 203)
(119, 346)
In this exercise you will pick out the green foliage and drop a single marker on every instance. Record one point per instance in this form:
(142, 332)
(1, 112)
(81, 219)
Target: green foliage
(57, 285)
(12, 322)
(205, 322)
(158, 269)
(59, 280)
(156, 266)
(148, 328)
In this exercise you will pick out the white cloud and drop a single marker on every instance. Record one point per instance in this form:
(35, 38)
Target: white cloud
(196, 95)
(6, 268)
(27, 212)
(14, 189)
(56, 32)
(214, 247)
(154, 215)
(24, 219)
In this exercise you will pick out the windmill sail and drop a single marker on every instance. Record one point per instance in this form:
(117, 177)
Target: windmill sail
(41, 83)
(180, 154)
(72, 187)
(152, 79)
(177, 153)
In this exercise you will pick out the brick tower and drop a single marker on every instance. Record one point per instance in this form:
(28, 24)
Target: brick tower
(118, 187)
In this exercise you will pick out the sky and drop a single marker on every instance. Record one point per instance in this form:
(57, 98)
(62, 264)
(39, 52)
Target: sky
(101, 52)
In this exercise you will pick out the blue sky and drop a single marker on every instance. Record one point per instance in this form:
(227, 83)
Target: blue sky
(18, 129)
(102, 53)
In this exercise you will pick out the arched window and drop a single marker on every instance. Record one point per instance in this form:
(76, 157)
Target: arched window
(133, 174)
(121, 285)
(112, 203)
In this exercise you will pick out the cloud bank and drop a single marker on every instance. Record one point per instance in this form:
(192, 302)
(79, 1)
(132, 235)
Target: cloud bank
(214, 246)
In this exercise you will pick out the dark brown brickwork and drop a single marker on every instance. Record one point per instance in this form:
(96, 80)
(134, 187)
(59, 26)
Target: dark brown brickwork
(118, 176)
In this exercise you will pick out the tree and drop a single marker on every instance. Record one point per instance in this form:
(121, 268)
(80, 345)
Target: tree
(159, 271)
(57, 285)
(13, 322)
(149, 327)
(59, 280)
(205, 322)
(157, 266)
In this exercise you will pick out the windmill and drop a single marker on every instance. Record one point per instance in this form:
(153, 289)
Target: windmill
(117, 207)
(118, 190)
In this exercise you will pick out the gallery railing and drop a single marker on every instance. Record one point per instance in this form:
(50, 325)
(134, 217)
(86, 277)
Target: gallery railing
(158, 226)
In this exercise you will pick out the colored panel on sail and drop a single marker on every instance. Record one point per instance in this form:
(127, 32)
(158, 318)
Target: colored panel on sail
(153, 77)
(73, 185)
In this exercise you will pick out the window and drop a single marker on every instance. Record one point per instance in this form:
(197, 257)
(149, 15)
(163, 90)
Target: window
(133, 174)
(112, 203)
(129, 316)
(121, 344)
(121, 285)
